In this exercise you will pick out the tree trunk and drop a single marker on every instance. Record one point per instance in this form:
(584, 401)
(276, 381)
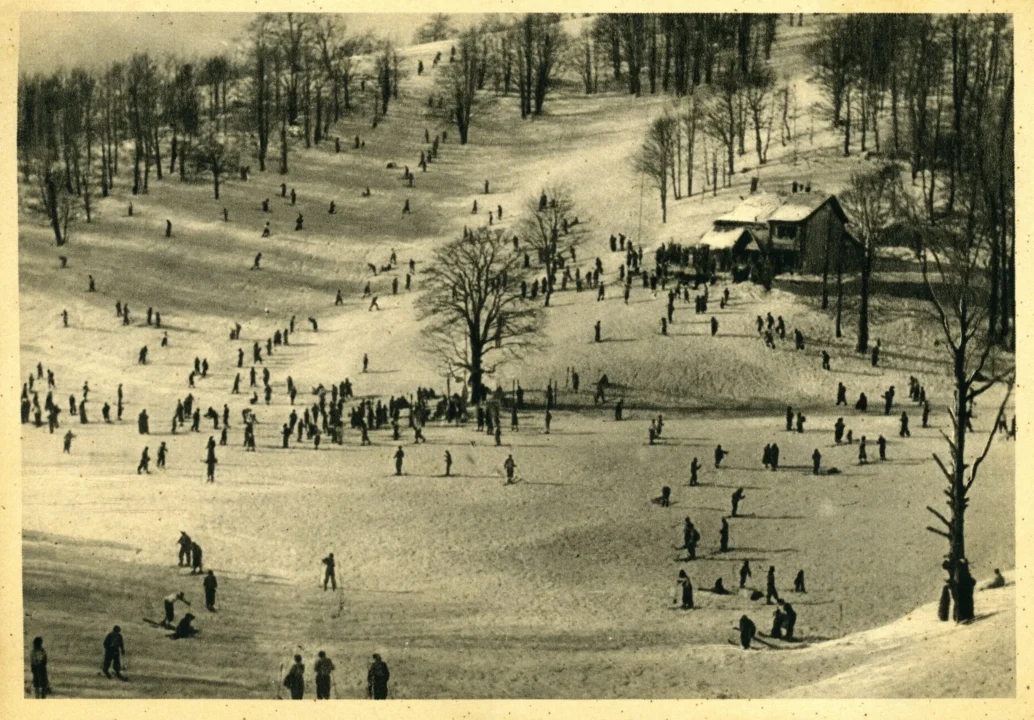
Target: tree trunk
(847, 127)
(184, 152)
(319, 116)
(136, 168)
(825, 274)
(283, 149)
(104, 170)
(863, 310)
(894, 111)
(476, 373)
(840, 287)
(52, 209)
(307, 110)
(157, 153)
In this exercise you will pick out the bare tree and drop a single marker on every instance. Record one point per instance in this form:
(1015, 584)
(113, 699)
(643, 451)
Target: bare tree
(721, 115)
(214, 154)
(458, 83)
(472, 308)
(542, 227)
(957, 249)
(759, 84)
(656, 156)
(872, 201)
(690, 122)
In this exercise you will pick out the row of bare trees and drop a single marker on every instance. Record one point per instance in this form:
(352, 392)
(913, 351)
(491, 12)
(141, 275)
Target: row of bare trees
(294, 77)
(948, 83)
(502, 55)
(675, 51)
(709, 127)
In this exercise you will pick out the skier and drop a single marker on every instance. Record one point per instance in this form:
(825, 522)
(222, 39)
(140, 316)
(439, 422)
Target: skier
(323, 667)
(210, 585)
(328, 575)
(737, 497)
(377, 679)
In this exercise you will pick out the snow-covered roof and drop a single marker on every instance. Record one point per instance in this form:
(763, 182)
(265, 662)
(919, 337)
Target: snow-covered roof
(754, 209)
(764, 207)
(724, 238)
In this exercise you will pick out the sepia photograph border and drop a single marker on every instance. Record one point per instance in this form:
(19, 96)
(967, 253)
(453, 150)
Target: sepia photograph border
(13, 703)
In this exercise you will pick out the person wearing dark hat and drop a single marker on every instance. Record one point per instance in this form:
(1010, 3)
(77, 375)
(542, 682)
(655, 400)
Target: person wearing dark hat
(38, 666)
(686, 587)
(210, 585)
(295, 679)
(377, 679)
(747, 631)
(328, 576)
(324, 667)
(114, 648)
(184, 629)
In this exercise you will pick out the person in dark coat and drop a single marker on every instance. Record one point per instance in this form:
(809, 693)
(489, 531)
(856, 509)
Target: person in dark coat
(719, 455)
(114, 648)
(195, 558)
(904, 431)
(841, 394)
(789, 419)
(328, 576)
(694, 468)
(723, 536)
(184, 628)
(399, 455)
(816, 459)
(789, 619)
(737, 497)
(184, 555)
(719, 588)
(798, 582)
(377, 679)
(210, 585)
(690, 538)
(687, 590)
(747, 631)
(145, 462)
(744, 572)
(324, 667)
(770, 588)
(778, 618)
(295, 679)
(38, 666)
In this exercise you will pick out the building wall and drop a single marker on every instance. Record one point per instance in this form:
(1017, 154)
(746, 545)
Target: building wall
(823, 224)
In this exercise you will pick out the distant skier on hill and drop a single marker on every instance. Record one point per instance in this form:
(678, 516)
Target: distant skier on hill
(737, 497)
(328, 575)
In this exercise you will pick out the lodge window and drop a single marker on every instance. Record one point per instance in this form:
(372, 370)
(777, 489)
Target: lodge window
(786, 231)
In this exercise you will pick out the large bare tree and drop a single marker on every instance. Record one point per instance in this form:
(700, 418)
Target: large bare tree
(872, 201)
(656, 157)
(473, 314)
(954, 257)
(458, 84)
